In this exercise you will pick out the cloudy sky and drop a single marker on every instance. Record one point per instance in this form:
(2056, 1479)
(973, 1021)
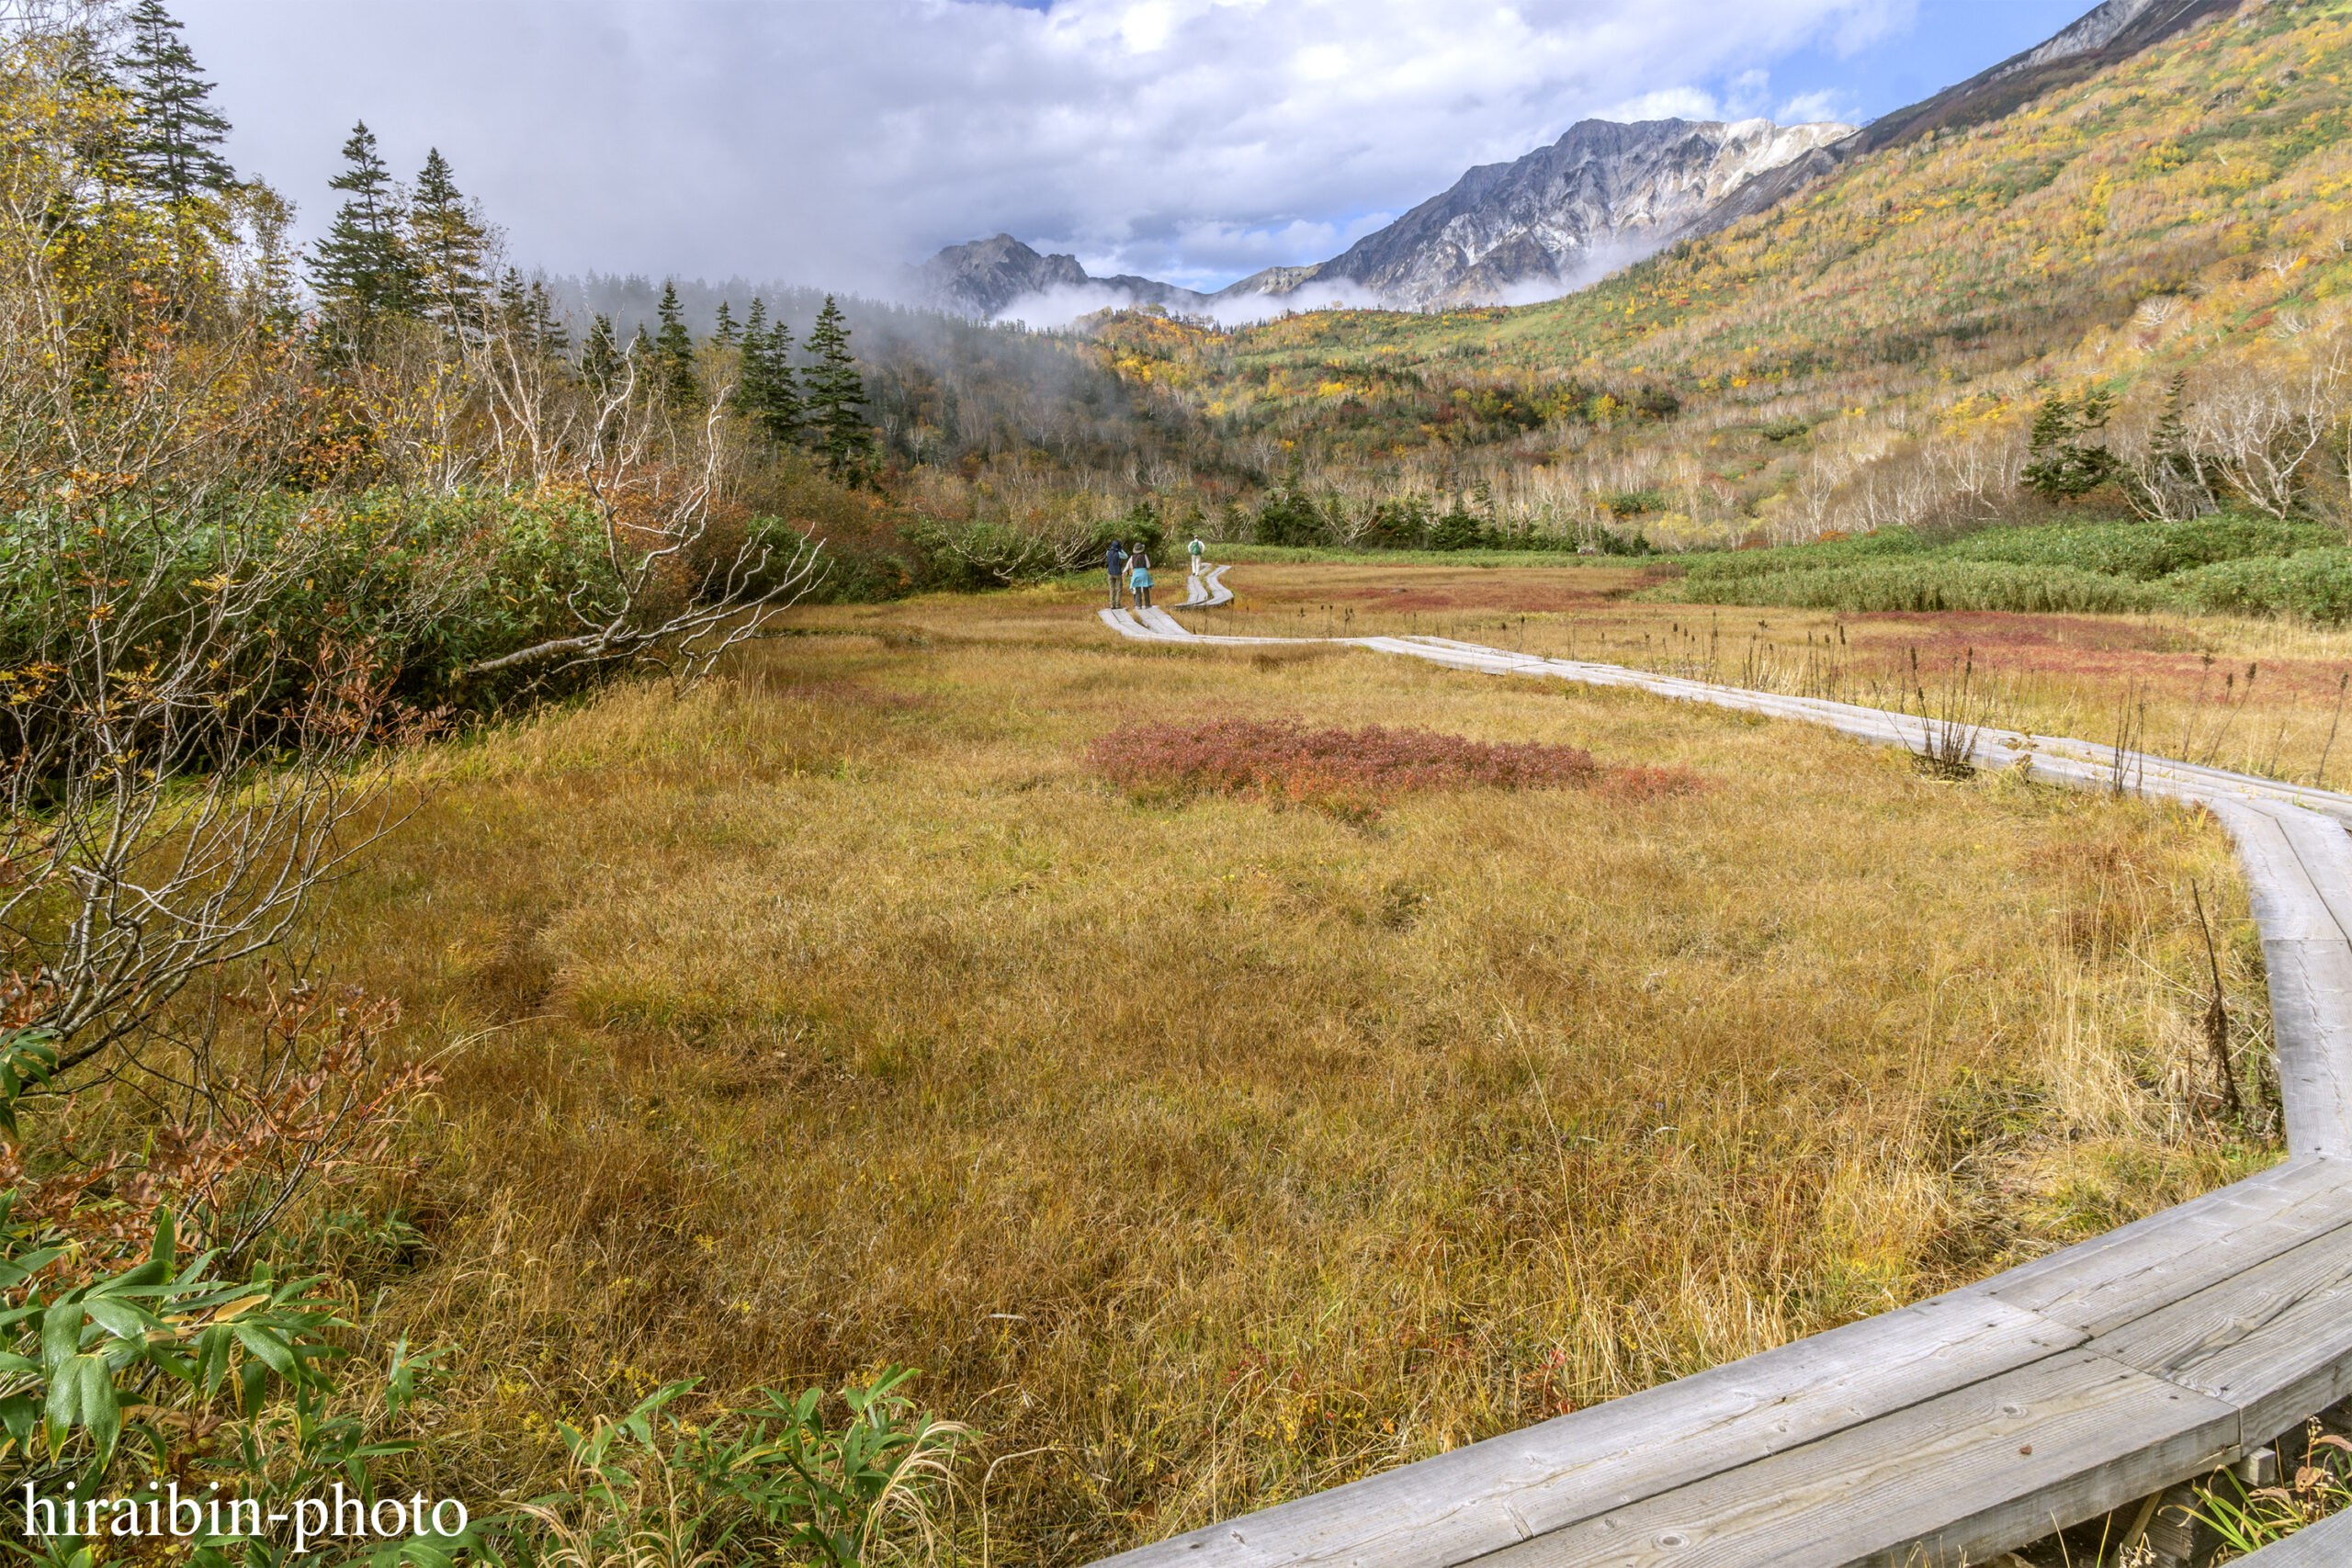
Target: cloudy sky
(828, 141)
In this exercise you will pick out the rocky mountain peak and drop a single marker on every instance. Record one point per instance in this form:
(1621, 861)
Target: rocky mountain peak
(1601, 193)
(983, 276)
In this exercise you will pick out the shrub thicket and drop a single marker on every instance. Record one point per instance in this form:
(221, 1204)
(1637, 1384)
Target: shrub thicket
(2311, 585)
(2216, 564)
(1932, 584)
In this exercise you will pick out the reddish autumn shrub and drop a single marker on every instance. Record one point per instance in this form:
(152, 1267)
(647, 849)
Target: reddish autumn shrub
(1351, 771)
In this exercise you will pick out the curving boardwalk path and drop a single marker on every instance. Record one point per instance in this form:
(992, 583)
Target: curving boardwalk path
(1951, 1431)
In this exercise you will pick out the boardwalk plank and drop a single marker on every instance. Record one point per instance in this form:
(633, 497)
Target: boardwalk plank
(2323, 851)
(1490, 1495)
(2327, 1544)
(2311, 998)
(2101, 1284)
(2288, 904)
(2276, 1341)
(1961, 1478)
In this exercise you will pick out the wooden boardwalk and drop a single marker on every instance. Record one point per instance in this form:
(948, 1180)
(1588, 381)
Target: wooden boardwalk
(2327, 1544)
(1948, 1432)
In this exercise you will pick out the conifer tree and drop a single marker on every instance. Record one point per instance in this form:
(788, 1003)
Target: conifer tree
(2169, 442)
(176, 135)
(769, 395)
(2173, 479)
(448, 242)
(833, 397)
(513, 300)
(600, 357)
(2064, 467)
(546, 327)
(752, 381)
(362, 271)
(675, 348)
(724, 332)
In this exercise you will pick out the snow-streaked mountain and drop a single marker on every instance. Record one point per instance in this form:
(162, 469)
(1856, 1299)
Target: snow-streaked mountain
(1532, 229)
(1597, 198)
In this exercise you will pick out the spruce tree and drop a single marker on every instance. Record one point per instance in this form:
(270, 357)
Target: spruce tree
(448, 243)
(769, 395)
(833, 397)
(2063, 467)
(2168, 444)
(675, 348)
(724, 332)
(600, 357)
(553, 337)
(2176, 479)
(513, 303)
(176, 135)
(753, 376)
(362, 271)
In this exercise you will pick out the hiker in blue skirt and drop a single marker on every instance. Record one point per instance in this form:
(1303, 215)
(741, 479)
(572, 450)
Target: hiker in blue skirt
(1140, 577)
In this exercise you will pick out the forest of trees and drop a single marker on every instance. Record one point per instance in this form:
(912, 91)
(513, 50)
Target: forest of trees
(396, 256)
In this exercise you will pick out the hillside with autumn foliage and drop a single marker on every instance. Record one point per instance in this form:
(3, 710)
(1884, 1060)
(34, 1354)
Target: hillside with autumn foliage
(1875, 350)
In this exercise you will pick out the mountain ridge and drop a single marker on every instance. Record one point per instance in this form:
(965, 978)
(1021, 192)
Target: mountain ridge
(1535, 222)
(1543, 224)
(1539, 219)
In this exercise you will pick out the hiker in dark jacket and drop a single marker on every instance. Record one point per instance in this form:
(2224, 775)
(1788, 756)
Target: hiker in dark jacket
(1116, 559)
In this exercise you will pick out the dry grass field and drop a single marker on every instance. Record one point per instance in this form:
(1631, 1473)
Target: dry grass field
(1202, 1152)
(2256, 696)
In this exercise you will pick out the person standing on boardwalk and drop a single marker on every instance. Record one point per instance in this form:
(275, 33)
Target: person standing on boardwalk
(1195, 547)
(1140, 577)
(1116, 559)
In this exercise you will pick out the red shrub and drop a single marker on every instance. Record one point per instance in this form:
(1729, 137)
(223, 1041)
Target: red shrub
(1351, 771)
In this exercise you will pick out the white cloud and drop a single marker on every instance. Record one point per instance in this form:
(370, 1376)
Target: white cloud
(1191, 139)
(1667, 103)
(1807, 108)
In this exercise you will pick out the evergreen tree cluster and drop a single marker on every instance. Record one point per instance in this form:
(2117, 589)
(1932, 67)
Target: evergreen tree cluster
(2063, 464)
(820, 405)
(423, 253)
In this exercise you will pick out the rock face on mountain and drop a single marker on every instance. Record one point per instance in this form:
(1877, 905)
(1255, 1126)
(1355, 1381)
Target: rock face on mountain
(1528, 229)
(986, 275)
(985, 278)
(1600, 193)
(2106, 35)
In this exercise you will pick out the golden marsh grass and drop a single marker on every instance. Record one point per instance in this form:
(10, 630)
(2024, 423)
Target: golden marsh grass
(836, 1014)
